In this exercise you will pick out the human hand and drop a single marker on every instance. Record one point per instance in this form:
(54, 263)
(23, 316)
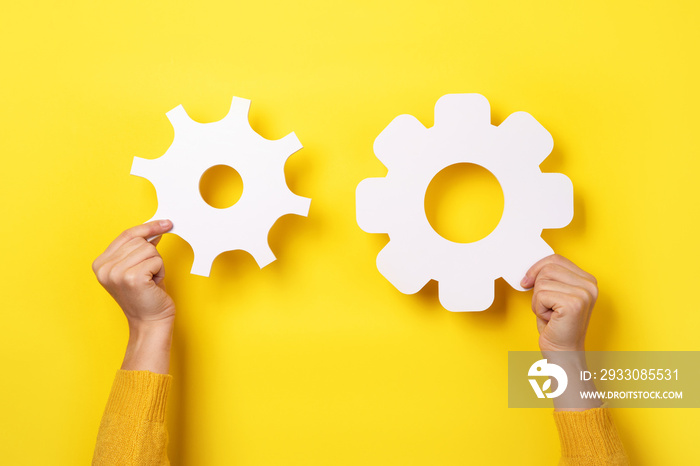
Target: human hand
(131, 270)
(562, 300)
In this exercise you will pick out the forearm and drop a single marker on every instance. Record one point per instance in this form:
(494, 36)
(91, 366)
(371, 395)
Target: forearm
(573, 363)
(133, 431)
(149, 345)
(589, 437)
(587, 433)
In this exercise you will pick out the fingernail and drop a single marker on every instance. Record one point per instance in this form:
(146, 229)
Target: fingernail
(525, 282)
(165, 223)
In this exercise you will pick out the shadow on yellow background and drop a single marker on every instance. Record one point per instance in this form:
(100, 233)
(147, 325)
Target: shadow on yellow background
(317, 359)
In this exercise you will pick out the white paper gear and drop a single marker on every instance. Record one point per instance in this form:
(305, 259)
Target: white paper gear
(260, 163)
(413, 155)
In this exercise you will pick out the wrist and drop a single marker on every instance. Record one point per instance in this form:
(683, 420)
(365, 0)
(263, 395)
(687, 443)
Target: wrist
(573, 363)
(149, 346)
(151, 328)
(546, 346)
(568, 359)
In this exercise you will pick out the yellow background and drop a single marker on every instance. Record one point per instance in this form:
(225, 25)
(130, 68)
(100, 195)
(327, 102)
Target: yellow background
(317, 359)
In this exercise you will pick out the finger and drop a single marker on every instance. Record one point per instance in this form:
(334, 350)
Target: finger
(557, 273)
(131, 245)
(532, 273)
(582, 292)
(117, 271)
(138, 255)
(545, 302)
(145, 231)
(108, 262)
(154, 268)
(544, 284)
(144, 273)
(119, 254)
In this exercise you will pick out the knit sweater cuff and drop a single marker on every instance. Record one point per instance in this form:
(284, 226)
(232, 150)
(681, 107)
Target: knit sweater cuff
(139, 395)
(586, 434)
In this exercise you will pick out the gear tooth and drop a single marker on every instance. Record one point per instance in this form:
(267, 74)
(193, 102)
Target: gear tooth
(464, 294)
(201, 265)
(526, 138)
(238, 112)
(462, 112)
(394, 263)
(399, 141)
(178, 117)
(554, 200)
(370, 199)
(289, 145)
(299, 205)
(521, 258)
(239, 105)
(262, 254)
(142, 167)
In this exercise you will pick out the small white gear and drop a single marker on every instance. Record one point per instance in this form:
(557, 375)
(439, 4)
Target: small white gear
(414, 154)
(260, 163)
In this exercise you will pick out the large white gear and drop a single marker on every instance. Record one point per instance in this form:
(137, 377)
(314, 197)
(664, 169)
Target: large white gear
(260, 163)
(414, 154)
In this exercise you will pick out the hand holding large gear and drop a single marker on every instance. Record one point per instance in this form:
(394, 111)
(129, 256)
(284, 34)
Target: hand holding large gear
(413, 155)
(260, 163)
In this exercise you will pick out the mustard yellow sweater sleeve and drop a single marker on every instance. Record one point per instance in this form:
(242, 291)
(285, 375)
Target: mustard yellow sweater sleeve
(589, 438)
(132, 431)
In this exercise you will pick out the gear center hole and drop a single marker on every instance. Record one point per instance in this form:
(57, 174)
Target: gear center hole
(221, 186)
(464, 203)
